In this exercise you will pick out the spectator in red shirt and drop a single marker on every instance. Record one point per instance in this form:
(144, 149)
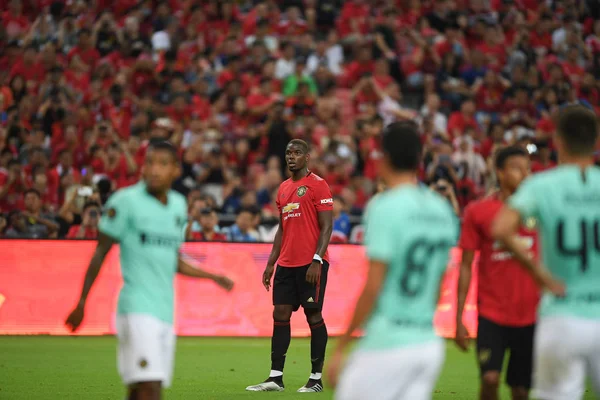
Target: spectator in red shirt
(85, 50)
(88, 229)
(261, 100)
(15, 24)
(30, 68)
(492, 48)
(363, 65)
(489, 94)
(520, 111)
(12, 185)
(208, 220)
(572, 67)
(460, 120)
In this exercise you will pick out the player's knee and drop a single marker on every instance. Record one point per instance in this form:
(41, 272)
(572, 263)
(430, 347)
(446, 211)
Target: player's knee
(520, 393)
(282, 312)
(313, 316)
(491, 380)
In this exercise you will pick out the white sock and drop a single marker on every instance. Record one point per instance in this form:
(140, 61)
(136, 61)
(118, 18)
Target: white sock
(275, 373)
(316, 376)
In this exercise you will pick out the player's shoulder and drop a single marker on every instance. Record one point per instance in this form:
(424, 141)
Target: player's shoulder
(316, 180)
(179, 199)
(125, 194)
(484, 203)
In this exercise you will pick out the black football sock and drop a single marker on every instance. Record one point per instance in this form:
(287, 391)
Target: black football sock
(318, 344)
(279, 344)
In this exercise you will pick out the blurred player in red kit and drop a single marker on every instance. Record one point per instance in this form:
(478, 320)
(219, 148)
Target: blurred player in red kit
(305, 206)
(507, 296)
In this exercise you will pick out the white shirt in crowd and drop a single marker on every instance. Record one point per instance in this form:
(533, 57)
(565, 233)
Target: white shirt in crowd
(284, 68)
(333, 59)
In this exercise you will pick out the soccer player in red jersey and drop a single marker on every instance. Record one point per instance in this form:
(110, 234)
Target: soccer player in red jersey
(305, 206)
(507, 296)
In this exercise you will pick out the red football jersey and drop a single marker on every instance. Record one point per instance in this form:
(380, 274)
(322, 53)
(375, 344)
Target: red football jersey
(298, 203)
(507, 294)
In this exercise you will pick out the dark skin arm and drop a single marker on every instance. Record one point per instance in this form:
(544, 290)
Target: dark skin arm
(504, 228)
(464, 281)
(275, 251)
(326, 225)
(184, 268)
(104, 245)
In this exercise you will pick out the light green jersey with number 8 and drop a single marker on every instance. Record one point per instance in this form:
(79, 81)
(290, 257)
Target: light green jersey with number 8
(565, 202)
(412, 230)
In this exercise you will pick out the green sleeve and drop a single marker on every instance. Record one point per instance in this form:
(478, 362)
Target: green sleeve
(312, 85)
(525, 199)
(290, 84)
(379, 232)
(115, 218)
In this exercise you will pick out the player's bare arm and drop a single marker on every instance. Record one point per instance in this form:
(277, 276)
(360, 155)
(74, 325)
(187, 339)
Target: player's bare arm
(504, 228)
(184, 268)
(326, 226)
(362, 310)
(104, 245)
(275, 251)
(464, 281)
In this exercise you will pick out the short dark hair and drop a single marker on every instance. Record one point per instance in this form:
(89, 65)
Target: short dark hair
(163, 145)
(401, 143)
(505, 153)
(300, 143)
(90, 204)
(12, 162)
(578, 127)
(34, 191)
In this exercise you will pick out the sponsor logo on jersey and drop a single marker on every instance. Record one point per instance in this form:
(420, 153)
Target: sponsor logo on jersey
(301, 191)
(500, 253)
(159, 240)
(289, 207)
(327, 201)
(288, 210)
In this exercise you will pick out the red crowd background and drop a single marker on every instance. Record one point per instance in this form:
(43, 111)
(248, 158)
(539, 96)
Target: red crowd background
(86, 85)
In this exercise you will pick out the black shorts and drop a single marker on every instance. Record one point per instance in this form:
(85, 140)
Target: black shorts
(492, 342)
(291, 288)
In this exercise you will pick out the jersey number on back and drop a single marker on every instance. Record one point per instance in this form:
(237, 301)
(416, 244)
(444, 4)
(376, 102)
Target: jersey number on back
(419, 257)
(585, 243)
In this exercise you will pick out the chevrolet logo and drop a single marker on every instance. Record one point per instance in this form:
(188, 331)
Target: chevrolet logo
(289, 207)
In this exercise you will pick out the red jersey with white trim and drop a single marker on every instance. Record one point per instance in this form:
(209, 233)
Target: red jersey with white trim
(507, 295)
(299, 203)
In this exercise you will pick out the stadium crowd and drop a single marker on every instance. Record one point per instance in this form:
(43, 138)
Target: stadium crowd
(86, 85)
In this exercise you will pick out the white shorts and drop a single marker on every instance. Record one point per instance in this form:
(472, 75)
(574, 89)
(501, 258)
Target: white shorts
(146, 349)
(566, 350)
(408, 373)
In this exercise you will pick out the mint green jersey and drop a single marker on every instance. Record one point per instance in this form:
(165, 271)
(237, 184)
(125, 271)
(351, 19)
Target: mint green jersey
(565, 201)
(411, 230)
(150, 234)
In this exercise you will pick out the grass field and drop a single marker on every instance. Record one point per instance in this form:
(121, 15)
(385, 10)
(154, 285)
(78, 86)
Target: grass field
(42, 367)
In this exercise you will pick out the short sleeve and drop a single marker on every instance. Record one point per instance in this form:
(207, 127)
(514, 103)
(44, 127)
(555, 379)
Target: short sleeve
(525, 200)
(115, 218)
(379, 232)
(322, 198)
(470, 238)
(277, 200)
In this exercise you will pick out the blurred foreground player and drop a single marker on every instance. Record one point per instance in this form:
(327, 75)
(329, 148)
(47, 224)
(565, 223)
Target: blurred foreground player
(147, 220)
(305, 205)
(507, 297)
(409, 232)
(565, 201)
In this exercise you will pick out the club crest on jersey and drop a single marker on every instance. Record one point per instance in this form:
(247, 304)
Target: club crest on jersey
(301, 191)
(530, 223)
(111, 213)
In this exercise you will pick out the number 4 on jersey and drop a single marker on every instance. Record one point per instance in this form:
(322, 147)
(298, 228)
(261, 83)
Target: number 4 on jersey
(587, 230)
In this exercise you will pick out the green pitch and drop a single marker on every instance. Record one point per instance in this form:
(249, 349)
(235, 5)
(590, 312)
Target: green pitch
(42, 367)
